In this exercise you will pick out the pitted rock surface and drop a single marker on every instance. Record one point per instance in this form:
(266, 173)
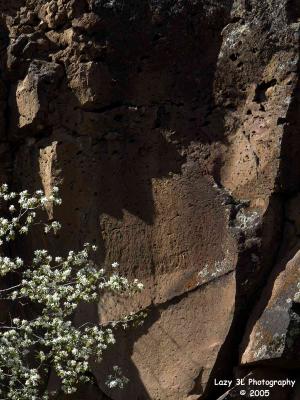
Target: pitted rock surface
(172, 127)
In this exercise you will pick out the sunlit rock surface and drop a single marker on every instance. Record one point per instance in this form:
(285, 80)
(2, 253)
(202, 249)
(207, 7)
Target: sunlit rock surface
(172, 128)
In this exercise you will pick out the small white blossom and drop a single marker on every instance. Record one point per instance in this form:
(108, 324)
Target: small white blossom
(44, 200)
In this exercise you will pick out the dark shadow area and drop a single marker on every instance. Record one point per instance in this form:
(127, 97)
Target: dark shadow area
(289, 177)
(172, 64)
(11, 8)
(293, 11)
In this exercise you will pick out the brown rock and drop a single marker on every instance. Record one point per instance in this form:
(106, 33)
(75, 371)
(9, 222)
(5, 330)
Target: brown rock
(274, 337)
(54, 13)
(89, 22)
(173, 354)
(172, 128)
(91, 83)
(35, 91)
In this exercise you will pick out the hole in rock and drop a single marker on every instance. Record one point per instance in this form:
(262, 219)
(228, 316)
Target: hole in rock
(281, 121)
(260, 91)
(234, 56)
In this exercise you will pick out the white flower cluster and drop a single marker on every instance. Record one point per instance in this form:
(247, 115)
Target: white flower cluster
(57, 285)
(116, 380)
(8, 265)
(23, 212)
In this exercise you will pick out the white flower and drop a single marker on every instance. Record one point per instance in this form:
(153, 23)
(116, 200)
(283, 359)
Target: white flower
(55, 226)
(115, 265)
(112, 384)
(24, 229)
(19, 262)
(44, 200)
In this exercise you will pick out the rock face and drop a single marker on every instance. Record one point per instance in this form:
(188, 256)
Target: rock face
(172, 127)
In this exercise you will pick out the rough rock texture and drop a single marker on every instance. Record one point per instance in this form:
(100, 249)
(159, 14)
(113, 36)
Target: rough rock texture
(173, 128)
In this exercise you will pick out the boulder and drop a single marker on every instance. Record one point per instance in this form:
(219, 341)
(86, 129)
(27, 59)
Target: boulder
(35, 92)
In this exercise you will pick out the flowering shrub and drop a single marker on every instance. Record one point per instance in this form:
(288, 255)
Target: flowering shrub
(30, 348)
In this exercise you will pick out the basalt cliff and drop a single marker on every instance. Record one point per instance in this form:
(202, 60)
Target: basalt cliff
(173, 130)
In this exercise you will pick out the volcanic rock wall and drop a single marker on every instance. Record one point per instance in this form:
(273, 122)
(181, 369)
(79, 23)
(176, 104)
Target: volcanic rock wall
(172, 127)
